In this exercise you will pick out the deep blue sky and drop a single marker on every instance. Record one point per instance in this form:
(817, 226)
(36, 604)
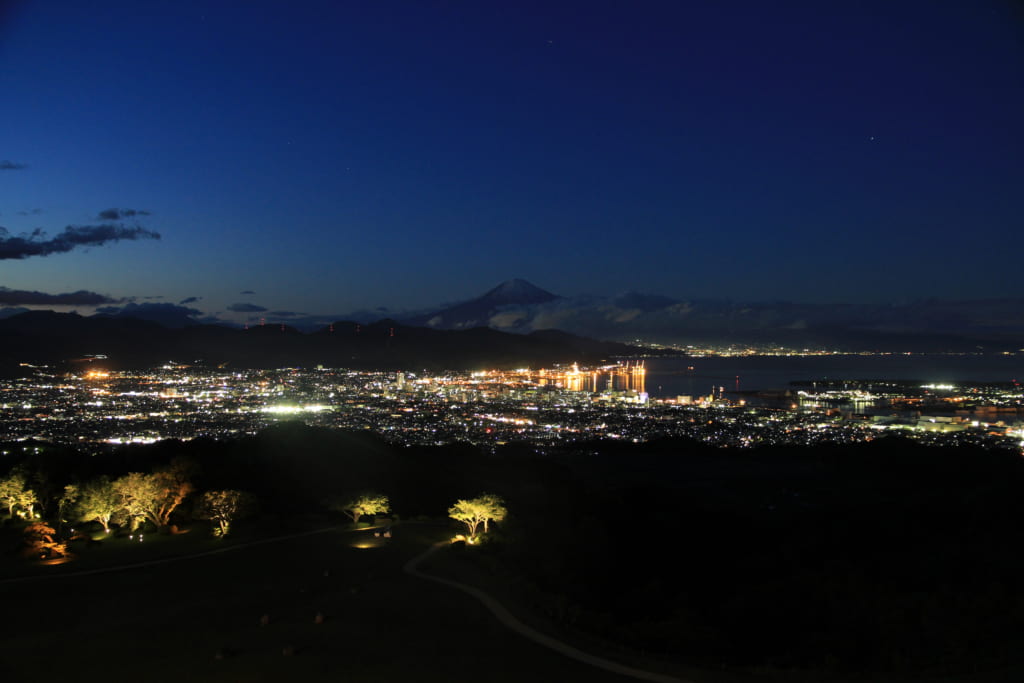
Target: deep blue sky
(337, 155)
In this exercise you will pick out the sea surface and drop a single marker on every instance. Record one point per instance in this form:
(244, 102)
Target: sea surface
(668, 377)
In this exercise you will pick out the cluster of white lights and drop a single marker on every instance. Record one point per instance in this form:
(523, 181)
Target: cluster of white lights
(293, 410)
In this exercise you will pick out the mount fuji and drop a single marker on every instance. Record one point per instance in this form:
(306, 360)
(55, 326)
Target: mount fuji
(499, 308)
(928, 325)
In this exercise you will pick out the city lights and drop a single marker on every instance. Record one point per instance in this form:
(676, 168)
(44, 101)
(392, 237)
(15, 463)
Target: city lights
(544, 406)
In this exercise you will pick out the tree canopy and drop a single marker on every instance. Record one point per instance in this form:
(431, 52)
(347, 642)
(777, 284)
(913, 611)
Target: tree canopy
(369, 503)
(154, 496)
(14, 493)
(222, 508)
(98, 501)
(483, 509)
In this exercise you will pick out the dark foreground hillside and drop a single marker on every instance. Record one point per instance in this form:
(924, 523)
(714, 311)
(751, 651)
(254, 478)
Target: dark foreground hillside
(880, 559)
(888, 557)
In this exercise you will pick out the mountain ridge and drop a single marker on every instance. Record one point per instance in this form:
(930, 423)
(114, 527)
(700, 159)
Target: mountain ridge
(927, 325)
(478, 312)
(519, 307)
(43, 337)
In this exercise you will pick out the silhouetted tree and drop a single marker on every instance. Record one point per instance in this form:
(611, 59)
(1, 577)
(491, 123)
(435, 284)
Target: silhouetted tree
(223, 507)
(64, 504)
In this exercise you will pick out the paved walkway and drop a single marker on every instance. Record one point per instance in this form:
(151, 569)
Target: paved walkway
(506, 619)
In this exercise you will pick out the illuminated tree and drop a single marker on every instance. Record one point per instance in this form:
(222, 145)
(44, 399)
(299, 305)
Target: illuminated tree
(222, 508)
(173, 486)
(14, 492)
(39, 539)
(98, 501)
(135, 492)
(476, 511)
(364, 504)
(153, 496)
(27, 500)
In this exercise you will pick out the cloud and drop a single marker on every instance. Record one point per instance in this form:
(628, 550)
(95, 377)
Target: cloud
(248, 291)
(36, 244)
(507, 319)
(189, 300)
(33, 212)
(120, 214)
(21, 297)
(246, 308)
(300, 321)
(6, 165)
(150, 308)
(165, 314)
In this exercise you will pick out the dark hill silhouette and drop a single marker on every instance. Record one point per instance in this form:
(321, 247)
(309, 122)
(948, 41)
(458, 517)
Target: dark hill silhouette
(45, 337)
(165, 314)
(925, 325)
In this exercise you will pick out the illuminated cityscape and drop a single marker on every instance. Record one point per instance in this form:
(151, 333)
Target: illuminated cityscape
(501, 341)
(557, 405)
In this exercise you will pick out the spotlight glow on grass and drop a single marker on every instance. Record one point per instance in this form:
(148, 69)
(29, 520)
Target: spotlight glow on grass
(363, 545)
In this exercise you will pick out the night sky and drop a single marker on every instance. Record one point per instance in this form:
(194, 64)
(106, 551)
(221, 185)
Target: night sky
(330, 156)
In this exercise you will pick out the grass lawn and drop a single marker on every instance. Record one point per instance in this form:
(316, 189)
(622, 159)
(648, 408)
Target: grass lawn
(169, 621)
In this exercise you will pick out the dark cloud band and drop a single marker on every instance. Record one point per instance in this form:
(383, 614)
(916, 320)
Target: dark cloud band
(21, 297)
(246, 308)
(149, 309)
(120, 214)
(36, 244)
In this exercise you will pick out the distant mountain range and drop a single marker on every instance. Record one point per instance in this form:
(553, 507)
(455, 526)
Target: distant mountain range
(488, 310)
(48, 337)
(929, 325)
(518, 322)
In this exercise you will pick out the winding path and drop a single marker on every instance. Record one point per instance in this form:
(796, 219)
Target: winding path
(412, 568)
(506, 619)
